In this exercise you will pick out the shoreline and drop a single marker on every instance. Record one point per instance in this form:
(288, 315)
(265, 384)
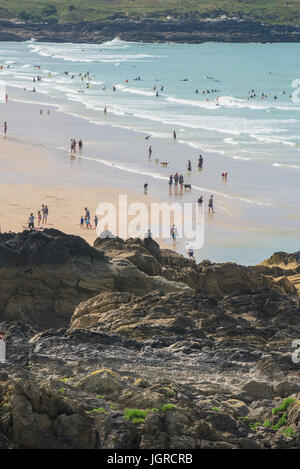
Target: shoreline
(191, 31)
(66, 203)
(230, 235)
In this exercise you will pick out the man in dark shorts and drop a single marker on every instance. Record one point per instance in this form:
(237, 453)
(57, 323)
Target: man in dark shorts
(31, 222)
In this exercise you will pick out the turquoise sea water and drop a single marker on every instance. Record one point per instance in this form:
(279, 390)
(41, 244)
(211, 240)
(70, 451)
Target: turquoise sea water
(257, 141)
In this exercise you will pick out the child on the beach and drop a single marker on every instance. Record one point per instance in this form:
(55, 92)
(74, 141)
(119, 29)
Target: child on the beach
(39, 217)
(82, 222)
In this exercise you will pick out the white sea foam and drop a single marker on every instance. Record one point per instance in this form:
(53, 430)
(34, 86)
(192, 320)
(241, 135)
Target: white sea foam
(126, 89)
(291, 166)
(230, 141)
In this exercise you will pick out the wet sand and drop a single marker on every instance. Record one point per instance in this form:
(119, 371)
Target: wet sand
(35, 162)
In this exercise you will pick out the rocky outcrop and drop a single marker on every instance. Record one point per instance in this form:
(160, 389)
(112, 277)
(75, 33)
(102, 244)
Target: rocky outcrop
(208, 278)
(283, 260)
(134, 360)
(185, 30)
(213, 390)
(44, 276)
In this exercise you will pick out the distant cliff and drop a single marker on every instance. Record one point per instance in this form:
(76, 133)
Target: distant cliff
(174, 30)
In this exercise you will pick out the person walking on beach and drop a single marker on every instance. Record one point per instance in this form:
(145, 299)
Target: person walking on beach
(174, 135)
(39, 217)
(43, 212)
(181, 181)
(150, 152)
(46, 212)
(189, 166)
(73, 145)
(31, 222)
(80, 145)
(87, 213)
(170, 181)
(211, 204)
(105, 110)
(88, 223)
(82, 222)
(173, 233)
(200, 162)
(176, 179)
(96, 221)
(5, 128)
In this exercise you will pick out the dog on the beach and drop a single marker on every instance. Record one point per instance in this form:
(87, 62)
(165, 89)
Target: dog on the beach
(147, 138)
(188, 187)
(164, 164)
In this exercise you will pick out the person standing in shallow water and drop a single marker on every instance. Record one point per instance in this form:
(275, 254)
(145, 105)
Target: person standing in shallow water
(200, 162)
(181, 181)
(211, 204)
(173, 233)
(174, 135)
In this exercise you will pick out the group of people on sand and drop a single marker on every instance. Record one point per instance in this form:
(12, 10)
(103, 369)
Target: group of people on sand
(74, 145)
(85, 220)
(178, 180)
(42, 217)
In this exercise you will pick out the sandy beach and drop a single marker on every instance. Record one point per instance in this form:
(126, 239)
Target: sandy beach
(66, 203)
(36, 168)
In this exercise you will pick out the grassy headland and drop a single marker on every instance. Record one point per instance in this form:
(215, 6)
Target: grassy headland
(72, 11)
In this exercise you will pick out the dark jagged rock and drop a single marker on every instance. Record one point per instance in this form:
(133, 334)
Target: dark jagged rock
(284, 259)
(207, 278)
(45, 275)
(204, 367)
